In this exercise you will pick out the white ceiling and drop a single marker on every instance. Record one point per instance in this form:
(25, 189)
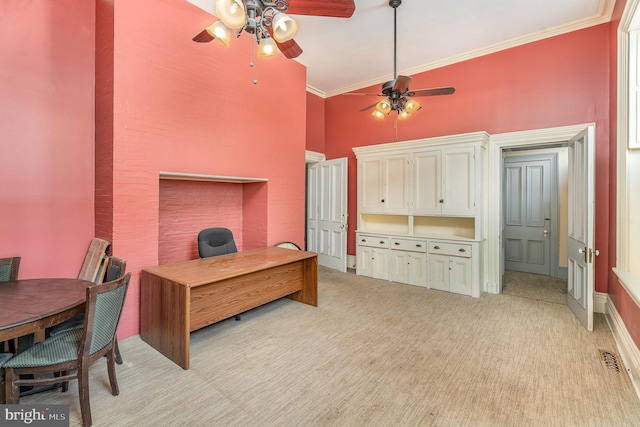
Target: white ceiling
(342, 55)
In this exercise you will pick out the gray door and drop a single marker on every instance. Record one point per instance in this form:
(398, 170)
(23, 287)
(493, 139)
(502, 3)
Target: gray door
(528, 213)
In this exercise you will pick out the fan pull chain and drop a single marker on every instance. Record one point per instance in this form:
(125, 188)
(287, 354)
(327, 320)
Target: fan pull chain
(395, 126)
(252, 63)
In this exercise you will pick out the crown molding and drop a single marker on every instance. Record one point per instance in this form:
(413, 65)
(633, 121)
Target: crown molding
(603, 15)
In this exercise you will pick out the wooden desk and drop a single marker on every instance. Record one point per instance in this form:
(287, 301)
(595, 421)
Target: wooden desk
(176, 299)
(31, 305)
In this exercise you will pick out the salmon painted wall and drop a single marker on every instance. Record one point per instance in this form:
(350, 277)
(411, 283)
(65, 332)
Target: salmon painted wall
(315, 123)
(47, 134)
(559, 81)
(182, 106)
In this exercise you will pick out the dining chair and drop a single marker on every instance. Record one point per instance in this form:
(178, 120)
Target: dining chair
(4, 357)
(92, 268)
(69, 354)
(216, 241)
(9, 268)
(115, 269)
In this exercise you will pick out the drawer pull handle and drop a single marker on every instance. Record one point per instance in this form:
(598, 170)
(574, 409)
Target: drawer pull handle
(364, 240)
(436, 247)
(382, 242)
(397, 244)
(461, 250)
(418, 246)
(441, 200)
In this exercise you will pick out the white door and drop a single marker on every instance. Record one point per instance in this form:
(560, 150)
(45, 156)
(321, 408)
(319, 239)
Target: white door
(581, 232)
(330, 215)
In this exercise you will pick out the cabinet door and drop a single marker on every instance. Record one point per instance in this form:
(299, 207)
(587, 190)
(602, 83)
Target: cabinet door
(460, 279)
(417, 269)
(439, 272)
(364, 261)
(371, 184)
(381, 263)
(427, 183)
(399, 266)
(458, 192)
(396, 184)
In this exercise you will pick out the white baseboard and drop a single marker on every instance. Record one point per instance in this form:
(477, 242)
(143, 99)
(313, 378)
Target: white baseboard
(626, 346)
(600, 302)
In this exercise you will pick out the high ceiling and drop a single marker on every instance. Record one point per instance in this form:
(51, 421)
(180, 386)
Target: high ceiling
(342, 55)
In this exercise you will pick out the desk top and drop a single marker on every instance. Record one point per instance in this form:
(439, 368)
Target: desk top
(26, 301)
(206, 270)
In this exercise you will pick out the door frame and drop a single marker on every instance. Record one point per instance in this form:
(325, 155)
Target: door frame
(538, 138)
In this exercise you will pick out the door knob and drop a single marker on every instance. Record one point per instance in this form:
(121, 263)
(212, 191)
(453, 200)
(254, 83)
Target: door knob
(546, 233)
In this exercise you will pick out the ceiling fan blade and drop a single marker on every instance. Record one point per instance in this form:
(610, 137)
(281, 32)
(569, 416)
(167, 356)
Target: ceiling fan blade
(448, 90)
(402, 83)
(333, 8)
(203, 37)
(368, 108)
(289, 49)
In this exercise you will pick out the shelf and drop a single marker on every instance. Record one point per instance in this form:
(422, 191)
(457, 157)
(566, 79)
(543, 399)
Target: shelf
(183, 176)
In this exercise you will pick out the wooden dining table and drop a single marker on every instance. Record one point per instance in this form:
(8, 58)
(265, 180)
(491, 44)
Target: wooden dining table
(32, 305)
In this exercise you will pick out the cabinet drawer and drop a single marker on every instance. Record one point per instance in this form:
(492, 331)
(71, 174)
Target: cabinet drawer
(452, 249)
(409, 245)
(373, 241)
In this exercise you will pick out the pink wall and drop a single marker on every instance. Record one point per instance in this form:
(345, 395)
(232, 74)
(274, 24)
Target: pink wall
(554, 82)
(46, 129)
(182, 106)
(315, 123)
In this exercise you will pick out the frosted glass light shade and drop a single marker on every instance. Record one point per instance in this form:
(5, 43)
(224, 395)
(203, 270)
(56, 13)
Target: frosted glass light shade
(268, 47)
(412, 106)
(378, 115)
(383, 106)
(221, 32)
(284, 27)
(231, 12)
(403, 115)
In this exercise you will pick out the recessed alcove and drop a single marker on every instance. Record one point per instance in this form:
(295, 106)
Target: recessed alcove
(189, 203)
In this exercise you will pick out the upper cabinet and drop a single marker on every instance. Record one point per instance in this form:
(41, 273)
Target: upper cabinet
(443, 182)
(387, 189)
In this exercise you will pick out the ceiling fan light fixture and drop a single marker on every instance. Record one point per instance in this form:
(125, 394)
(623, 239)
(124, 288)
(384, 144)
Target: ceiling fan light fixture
(378, 115)
(383, 107)
(220, 32)
(231, 12)
(412, 106)
(268, 47)
(284, 27)
(403, 115)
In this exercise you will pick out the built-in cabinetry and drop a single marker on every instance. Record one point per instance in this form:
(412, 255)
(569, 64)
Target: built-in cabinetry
(420, 212)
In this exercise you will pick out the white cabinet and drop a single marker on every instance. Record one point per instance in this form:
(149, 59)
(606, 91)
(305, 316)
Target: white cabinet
(372, 256)
(444, 182)
(414, 196)
(454, 267)
(408, 261)
(387, 184)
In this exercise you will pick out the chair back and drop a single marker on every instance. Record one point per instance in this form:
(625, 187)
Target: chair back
(92, 267)
(9, 268)
(215, 241)
(116, 268)
(102, 313)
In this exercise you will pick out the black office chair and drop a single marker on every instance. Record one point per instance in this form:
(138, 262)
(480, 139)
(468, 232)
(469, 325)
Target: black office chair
(215, 241)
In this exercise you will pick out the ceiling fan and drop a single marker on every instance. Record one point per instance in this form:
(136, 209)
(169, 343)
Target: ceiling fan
(396, 92)
(267, 21)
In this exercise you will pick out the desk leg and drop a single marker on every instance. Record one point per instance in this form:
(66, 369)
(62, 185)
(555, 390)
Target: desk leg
(164, 317)
(309, 292)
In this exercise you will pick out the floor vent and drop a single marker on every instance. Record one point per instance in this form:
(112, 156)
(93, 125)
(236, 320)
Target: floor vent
(611, 361)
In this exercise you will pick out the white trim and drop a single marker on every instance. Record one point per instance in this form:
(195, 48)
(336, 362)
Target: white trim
(496, 144)
(313, 157)
(630, 282)
(605, 10)
(417, 144)
(600, 302)
(626, 346)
